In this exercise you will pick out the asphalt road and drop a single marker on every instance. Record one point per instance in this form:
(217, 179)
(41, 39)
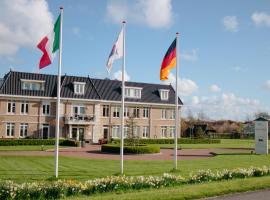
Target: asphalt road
(256, 195)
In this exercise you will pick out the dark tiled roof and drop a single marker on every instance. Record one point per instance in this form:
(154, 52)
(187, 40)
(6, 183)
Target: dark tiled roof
(98, 89)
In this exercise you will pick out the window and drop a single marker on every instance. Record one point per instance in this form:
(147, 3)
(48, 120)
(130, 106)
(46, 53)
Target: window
(106, 111)
(126, 112)
(23, 130)
(131, 92)
(11, 107)
(79, 109)
(116, 111)
(164, 94)
(146, 132)
(116, 131)
(125, 131)
(10, 129)
(163, 131)
(46, 108)
(136, 112)
(24, 107)
(163, 114)
(136, 131)
(172, 114)
(79, 87)
(32, 84)
(172, 132)
(145, 112)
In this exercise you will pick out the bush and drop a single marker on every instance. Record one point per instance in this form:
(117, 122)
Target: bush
(21, 142)
(140, 149)
(170, 141)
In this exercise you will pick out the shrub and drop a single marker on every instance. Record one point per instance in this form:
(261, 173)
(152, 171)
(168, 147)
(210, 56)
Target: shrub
(139, 149)
(19, 142)
(170, 141)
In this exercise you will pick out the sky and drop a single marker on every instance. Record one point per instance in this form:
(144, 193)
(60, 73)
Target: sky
(224, 46)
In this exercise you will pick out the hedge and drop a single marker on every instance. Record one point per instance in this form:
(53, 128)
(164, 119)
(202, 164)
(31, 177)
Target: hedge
(21, 142)
(141, 149)
(170, 141)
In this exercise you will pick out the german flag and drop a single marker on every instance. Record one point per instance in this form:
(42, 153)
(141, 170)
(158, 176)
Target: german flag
(169, 61)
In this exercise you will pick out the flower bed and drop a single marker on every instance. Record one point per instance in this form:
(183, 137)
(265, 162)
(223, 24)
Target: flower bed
(138, 149)
(62, 188)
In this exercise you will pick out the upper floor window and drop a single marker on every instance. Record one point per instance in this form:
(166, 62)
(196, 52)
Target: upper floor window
(32, 84)
(164, 94)
(163, 114)
(116, 111)
(172, 116)
(24, 107)
(11, 107)
(79, 87)
(136, 112)
(79, 109)
(133, 92)
(10, 127)
(145, 112)
(46, 108)
(106, 111)
(126, 112)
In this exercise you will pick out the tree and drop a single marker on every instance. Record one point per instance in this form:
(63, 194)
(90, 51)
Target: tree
(131, 134)
(199, 133)
(262, 114)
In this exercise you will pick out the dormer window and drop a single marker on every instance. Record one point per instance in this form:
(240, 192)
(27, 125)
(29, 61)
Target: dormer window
(133, 92)
(79, 87)
(164, 94)
(32, 84)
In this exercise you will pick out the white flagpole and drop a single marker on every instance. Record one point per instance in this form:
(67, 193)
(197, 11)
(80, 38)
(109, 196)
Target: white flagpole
(123, 103)
(176, 107)
(56, 151)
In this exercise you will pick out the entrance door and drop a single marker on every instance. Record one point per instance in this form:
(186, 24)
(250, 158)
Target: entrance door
(45, 131)
(81, 134)
(78, 133)
(105, 132)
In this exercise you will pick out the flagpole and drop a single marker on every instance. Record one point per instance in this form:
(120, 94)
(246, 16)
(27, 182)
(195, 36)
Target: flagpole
(123, 102)
(56, 151)
(176, 107)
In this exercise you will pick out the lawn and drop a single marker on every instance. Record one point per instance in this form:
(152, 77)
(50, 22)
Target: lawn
(27, 148)
(195, 191)
(21, 168)
(225, 143)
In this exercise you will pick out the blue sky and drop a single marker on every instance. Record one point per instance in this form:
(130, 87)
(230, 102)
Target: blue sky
(224, 46)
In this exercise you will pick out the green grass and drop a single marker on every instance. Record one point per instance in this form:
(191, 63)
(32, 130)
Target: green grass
(27, 148)
(21, 168)
(195, 191)
(225, 143)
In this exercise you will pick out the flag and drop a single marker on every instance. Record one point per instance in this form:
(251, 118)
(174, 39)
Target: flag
(169, 61)
(49, 45)
(117, 50)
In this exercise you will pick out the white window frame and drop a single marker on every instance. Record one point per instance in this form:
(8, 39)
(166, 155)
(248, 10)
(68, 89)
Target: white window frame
(11, 127)
(31, 84)
(163, 133)
(136, 131)
(116, 131)
(136, 112)
(164, 94)
(133, 92)
(164, 113)
(125, 131)
(47, 107)
(171, 131)
(146, 112)
(79, 87)
(12, 105)
(145, 132)
(116, 109)
(24, 107)
(105, 110)
(126, 112)
(172, 114)
(79, 106)
(23, 130)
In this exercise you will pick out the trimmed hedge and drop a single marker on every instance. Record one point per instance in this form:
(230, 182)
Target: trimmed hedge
(141, 149)
(21, 142)
(170, 141)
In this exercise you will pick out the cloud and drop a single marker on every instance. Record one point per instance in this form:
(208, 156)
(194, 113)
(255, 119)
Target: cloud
(22, 24)
(261, 19)
(153, 13)
(186, 87)
(118, 76)
(230, 23)
(189, 56)
(214, 88)
(267, 85)
(223, 106)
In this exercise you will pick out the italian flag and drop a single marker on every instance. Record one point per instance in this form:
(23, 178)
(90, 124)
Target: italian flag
(49, 45)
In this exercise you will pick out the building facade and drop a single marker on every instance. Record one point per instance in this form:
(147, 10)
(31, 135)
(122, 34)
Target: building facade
(89, 110)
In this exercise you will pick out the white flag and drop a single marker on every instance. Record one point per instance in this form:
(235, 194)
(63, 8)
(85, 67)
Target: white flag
(117, 50)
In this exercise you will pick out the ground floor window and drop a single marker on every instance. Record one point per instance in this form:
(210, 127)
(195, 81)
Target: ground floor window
(116, 132)
(10, 127)
(172, 132)
(146, 132)
(23, 130)
(163, 131)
